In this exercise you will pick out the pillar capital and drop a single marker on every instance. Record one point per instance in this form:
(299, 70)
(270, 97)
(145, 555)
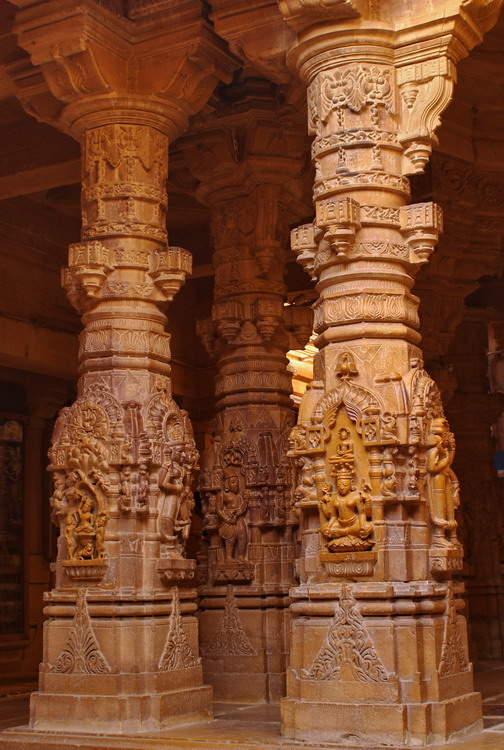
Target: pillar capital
(394, 57)
(90, 67)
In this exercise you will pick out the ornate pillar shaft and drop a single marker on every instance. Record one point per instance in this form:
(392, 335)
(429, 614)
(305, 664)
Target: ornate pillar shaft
(245, 480)
(121, 628)
(376, 632)
(474, 414)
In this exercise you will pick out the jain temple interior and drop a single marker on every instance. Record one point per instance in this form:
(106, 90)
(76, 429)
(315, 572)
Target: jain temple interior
(251, 374)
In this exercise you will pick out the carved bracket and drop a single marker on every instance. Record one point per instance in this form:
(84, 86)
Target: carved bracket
(89, 264)
(304, 244)
(172, 265)
(340, 219)
(421, 224)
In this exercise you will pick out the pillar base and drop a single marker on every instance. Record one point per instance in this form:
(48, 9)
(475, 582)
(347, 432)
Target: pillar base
(244, 645)
(380, 665)
(120, 714)
(382, 724)
(120, 667)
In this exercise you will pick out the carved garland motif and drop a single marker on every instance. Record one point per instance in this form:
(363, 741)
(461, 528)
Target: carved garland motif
(177, 653)
(348, 653)
(81, 654)
(230, 638)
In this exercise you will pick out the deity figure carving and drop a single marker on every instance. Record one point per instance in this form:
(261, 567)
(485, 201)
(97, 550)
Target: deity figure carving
(345, 449)
(231, 506)
(177, 504)
(344, 513)
(124, 503)
(305, 490)
(84, 530)
(444, 487)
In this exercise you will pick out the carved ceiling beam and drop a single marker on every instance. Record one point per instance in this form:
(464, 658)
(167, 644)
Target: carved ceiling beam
(372, 449)
(40, 179)
(256, 33)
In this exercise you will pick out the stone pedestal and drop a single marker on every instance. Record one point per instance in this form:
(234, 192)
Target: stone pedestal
(150, 677)
(387, 660)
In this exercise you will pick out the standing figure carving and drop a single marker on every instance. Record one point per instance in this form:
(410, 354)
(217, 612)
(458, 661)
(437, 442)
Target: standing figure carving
(444, 486)
(231, 507)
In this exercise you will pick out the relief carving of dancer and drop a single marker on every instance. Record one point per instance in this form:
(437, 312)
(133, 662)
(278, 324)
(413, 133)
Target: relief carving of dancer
(443, 486)
(177, 503)
(231, 506)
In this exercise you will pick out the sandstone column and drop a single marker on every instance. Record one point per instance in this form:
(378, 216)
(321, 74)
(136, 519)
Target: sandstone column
(121, 641)
(474, 414)
(248, 159)
(379, 653)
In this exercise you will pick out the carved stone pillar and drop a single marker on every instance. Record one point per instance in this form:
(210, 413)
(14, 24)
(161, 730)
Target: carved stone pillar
(121, 630)
(474, 414)
(248, 169)
(379, 653)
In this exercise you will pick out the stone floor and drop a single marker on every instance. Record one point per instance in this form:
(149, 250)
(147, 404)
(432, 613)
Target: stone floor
(242, 727)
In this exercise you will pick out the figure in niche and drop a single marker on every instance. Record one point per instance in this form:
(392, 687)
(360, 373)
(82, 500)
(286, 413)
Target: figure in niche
(345, 449)
(70, 526)
(143, 488)
(85, 531)
(124, 502)
(344, 514)
(443, 486)
(175, 515)
(305, 490)
(231, 507)
(101, 522)
(85, 514)
(58, 500)
(344, 511)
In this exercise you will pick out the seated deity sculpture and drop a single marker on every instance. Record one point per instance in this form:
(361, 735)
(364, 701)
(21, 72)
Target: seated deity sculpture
(344, 509)
(344, 451)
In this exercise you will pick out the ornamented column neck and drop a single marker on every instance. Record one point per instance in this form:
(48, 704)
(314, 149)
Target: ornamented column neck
(243, 157)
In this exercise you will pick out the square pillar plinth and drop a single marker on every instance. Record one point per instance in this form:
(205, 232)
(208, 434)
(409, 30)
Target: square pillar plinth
(120, 667)
(244, 645)
(385, 665)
